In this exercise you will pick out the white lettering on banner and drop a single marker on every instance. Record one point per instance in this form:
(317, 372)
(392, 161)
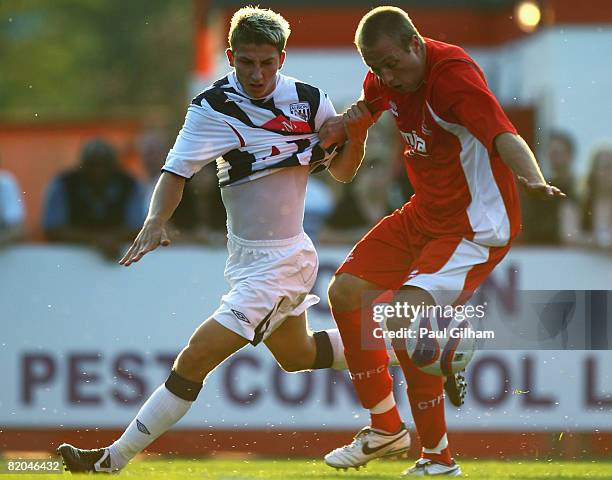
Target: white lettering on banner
(107, 388)
(90, 359)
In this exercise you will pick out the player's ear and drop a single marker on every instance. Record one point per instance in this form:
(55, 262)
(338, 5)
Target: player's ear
(282, 59)
(230, 57)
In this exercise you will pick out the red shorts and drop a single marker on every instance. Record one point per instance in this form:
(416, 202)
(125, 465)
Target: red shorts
(394, 253)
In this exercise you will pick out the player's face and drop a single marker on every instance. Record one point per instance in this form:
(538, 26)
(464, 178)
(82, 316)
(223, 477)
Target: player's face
(256, 67)
(401, 68)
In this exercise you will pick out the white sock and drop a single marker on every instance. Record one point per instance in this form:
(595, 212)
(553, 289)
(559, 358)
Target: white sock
(442, 444)
(162, 410)
(338, 349)
(384, 405)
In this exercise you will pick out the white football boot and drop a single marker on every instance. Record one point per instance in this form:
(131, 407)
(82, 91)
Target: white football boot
(367, 445)
(426, 468)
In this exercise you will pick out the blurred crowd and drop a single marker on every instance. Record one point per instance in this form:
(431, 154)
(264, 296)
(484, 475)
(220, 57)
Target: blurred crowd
(585, 216)
(97, 203)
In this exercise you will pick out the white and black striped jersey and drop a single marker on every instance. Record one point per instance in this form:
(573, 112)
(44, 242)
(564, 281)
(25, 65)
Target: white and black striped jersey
(251, 138)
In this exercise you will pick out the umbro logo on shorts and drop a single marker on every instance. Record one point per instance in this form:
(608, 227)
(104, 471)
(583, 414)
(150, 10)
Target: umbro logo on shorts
(240, 316)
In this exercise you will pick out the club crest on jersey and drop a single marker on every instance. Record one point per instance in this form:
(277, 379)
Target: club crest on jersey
(240, 316)
(300, 109)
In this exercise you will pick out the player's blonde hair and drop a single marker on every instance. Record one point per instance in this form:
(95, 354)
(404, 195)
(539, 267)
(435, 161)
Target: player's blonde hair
(390, 21)
(259, 26)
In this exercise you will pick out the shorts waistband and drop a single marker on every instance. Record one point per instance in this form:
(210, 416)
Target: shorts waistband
(282, 242)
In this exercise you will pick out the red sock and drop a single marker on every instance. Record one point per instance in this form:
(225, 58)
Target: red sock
(389, 421)
(368, 368)
(426, 395)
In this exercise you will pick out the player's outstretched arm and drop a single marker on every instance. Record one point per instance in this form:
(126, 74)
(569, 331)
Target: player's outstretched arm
(356, 121)
(515, 152)
(166, 197)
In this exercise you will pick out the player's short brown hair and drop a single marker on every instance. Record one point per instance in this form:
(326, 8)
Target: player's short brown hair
(390, 21)
(259, 26)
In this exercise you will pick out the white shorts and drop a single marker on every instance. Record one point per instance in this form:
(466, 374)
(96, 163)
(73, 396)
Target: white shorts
(269, 281)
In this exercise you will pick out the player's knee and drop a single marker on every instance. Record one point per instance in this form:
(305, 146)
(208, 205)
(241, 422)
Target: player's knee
(344, 293)
(195, 361)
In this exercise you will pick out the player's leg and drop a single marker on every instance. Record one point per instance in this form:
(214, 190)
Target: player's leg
(425, 393)
(386, 435)
(209, 346)
(288, 279)
(447, 272)
(377, 263)
(295, 347)
(368, 367)
(436, 277)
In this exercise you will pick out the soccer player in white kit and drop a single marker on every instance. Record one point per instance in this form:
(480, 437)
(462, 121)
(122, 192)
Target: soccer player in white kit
(260, 127)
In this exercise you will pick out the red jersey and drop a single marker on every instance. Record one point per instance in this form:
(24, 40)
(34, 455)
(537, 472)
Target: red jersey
(449, 124)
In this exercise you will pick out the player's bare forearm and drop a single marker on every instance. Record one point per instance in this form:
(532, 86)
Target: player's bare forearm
(357, 120)
(344, 167)
(166, 197)
(515, 153)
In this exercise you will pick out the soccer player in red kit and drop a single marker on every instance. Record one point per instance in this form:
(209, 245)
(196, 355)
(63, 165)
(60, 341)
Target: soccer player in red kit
(461, 156)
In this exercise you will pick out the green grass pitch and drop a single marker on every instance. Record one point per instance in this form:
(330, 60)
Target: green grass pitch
(169, 468)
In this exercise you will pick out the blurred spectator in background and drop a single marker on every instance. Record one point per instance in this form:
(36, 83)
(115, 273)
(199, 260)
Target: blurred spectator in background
(11, 209)
(153, 148)
(319, 205)
(362, 204)
(597, 207)
(554, 221)
(365, 200)
(212, 229)
(95, 203)
(200, 217)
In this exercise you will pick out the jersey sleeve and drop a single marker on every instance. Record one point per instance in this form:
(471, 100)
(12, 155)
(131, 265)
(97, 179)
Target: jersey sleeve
(326, 110)
(373, 94)
(203, 138)
(460, 95)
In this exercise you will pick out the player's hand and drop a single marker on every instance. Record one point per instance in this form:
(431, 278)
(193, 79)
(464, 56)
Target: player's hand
(541, 189)
(332, 132)
(357, 120)
(152, 235)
